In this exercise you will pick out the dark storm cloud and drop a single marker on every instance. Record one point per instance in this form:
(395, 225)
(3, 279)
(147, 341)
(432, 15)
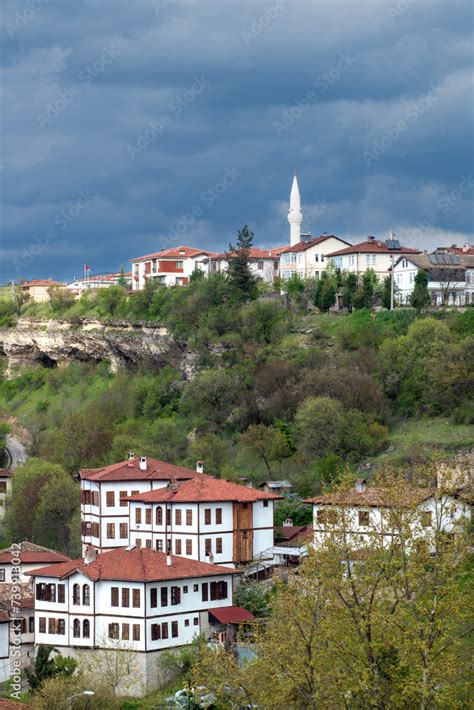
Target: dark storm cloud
(121, 121)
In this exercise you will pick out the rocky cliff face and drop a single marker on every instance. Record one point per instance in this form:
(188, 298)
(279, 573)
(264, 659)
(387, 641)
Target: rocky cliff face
(57, 343)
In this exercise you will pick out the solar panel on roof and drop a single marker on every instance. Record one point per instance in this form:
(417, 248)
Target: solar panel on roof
(392, 243)
(442, 258)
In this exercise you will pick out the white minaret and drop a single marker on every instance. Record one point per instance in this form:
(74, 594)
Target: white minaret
(295, 216)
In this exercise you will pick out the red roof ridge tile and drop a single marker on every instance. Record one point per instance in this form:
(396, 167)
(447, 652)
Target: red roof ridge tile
(139, 564)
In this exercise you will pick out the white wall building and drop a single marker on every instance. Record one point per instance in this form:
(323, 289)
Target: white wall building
(5, 489)
(19, 559)
(17, 625)
(365, 511)
(371, 254)
(104, 508)
(171, 267)
(204, 519)
(309, 258)
(263, 263)
(128, 599)
(450, 277)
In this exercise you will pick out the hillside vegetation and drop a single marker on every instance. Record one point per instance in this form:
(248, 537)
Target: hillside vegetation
(280, 392)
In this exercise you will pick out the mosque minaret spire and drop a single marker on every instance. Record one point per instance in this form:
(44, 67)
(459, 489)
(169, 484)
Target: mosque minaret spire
(295, 216)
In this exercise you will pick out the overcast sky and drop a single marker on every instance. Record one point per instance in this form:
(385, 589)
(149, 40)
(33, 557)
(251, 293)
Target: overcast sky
(132, 126)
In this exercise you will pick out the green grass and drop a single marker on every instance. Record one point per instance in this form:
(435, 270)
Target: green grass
(422, 438)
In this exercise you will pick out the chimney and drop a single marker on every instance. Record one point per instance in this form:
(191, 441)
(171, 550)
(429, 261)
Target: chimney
(90, 554)
(210, 558)
(288, 523)
(200, 466)
(169, 560)
(131, 455)
(370, 238)
(360, 485)
(143, 464)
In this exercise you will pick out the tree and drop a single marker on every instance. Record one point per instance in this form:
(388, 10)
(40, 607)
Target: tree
(364, 297)
(243, 283)
(110, 301)
(387, 292)
(349, 289)
(297, 511)
(44, 506)
(267, 443)
(122, 281)
(253, 596)
(295, 287)
(210, 397)
(420, 296)
(116, 667)
(60, 299)
(55, 692)
(320, 425)
(385, 626)
(46, 667)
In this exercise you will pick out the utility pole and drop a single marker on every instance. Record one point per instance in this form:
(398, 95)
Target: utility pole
(391, 284)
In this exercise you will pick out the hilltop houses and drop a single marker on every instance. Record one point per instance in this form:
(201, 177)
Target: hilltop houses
(370, 254)
(171, 267)
(450, 277)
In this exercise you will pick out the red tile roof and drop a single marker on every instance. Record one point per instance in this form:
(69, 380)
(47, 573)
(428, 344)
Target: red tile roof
(231, 614)
(454, 249)
(15, 596)
(41, 282)
(6, 473)
(308, 243)
(257, 253)
(373, 246)
(204, 489)
(372, 497)
(130, 471)
(32, 554)
(136, 564)
(175, 253)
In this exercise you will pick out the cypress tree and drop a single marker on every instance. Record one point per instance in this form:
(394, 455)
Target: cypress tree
(420, 296)
(242, 282)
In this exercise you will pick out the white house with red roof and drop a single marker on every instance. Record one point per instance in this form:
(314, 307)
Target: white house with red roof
(370, 254)
(365, 511)
(17, 560)
(309, 257)
(104, 493)
(263, 263)
(205, 519)
(130, 599)
(171, 267)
